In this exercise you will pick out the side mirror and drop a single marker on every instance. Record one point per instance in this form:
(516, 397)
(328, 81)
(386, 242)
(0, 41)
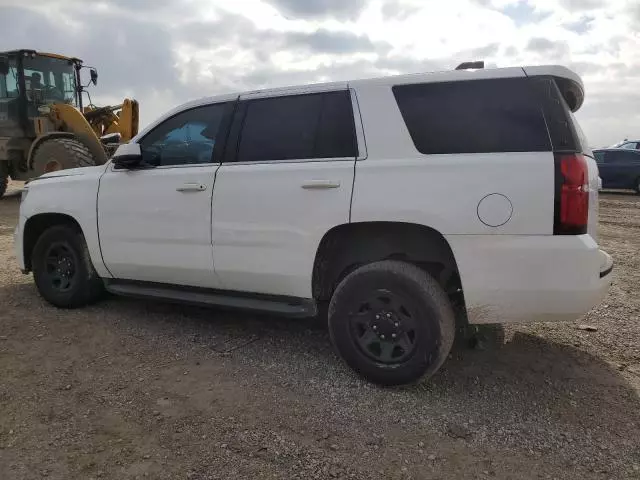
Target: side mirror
(4, 66)
(127, 156)
(94, 76)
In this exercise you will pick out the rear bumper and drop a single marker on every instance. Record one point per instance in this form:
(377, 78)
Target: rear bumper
(530, 278)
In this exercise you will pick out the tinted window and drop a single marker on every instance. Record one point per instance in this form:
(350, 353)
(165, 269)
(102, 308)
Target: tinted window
(629, 145)
(187, 138)
(298, 127)
(564, 130)
(476, 116)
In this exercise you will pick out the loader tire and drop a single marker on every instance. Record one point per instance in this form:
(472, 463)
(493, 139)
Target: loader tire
(4, 181)
(59, 154)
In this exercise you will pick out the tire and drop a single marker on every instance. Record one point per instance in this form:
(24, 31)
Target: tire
(638, 186)
(390, 298)
(59, 250)
(4, 181)
(60, 153)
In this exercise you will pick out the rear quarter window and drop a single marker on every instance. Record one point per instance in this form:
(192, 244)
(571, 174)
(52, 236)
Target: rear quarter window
(473, 116)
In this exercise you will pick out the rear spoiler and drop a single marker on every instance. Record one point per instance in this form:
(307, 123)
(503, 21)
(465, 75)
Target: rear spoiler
(569, 83)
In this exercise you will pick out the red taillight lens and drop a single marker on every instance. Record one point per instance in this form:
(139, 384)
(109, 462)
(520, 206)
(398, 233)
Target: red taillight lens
(572, 194)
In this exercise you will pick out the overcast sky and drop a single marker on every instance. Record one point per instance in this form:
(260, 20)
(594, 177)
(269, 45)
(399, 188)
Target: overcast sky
(166, 52)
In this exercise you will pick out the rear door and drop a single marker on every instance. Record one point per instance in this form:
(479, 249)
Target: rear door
(286, 179)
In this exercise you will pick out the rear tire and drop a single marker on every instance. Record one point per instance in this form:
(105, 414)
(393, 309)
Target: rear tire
(62, 269)
(60, 153)
(391, 322)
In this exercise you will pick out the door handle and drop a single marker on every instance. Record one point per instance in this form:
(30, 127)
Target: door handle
(320, 184)
(192, 187)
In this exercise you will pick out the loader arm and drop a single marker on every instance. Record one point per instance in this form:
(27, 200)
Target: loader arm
(66, 118)
(122, 119)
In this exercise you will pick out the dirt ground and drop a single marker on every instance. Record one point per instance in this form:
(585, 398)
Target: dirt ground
(131, 389)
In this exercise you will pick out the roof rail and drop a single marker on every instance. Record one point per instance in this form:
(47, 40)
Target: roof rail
(470, 65)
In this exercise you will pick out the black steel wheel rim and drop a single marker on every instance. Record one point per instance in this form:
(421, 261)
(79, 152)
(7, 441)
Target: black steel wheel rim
(60, 266)
(384, 325)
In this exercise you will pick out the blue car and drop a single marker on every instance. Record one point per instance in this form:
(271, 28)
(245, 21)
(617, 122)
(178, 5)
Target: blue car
(619, 168)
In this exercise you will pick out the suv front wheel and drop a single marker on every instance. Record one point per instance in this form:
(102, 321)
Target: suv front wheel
(391, 322)
(62, 268)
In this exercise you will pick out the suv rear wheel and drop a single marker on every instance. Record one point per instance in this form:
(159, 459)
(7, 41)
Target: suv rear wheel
(62, 268)
(391, 322)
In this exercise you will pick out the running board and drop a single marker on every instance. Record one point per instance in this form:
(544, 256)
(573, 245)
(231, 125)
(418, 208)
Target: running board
(285, 306)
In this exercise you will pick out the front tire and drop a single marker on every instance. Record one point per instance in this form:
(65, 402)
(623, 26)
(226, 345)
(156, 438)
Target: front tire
(62, 269)
(61, 153)
(391, 322)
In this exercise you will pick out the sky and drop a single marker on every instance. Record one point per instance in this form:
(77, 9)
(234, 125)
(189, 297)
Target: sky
(167, 52)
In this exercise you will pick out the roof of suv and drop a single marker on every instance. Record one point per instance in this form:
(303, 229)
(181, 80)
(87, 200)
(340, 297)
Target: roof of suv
(568, 81)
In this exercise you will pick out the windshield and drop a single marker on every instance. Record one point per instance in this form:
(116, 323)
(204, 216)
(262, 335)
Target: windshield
(9, 82)
(49, 80)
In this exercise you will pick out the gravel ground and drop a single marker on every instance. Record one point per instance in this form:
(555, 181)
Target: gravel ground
(131, 389)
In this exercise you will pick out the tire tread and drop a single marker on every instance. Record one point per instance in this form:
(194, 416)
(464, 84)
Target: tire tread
(432, 290)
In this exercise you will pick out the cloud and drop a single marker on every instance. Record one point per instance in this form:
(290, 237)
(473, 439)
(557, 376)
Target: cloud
(581, 5)
(325, 41)
(396, 10)
(486, 51)
(341, 9)
(167, 52)
(580, 26)
(235, 29)
(550, 49)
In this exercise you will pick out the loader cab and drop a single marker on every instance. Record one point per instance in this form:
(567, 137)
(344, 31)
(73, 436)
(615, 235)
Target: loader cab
(30, 81)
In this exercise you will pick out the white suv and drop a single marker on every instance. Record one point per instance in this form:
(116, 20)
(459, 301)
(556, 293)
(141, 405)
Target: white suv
(392, 204)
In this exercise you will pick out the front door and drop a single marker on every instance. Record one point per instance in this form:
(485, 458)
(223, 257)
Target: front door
(155, 222)
(287, 180)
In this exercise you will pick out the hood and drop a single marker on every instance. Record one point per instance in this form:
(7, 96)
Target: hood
(72, 172)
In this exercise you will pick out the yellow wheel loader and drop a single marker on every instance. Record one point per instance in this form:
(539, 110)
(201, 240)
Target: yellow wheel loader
(43, 124)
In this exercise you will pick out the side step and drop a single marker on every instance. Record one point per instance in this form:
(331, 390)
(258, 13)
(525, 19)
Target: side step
(285, 306)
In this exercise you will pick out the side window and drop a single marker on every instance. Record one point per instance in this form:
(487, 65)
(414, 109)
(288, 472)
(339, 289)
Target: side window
(473, 116)
(318, 125)
(186, 138)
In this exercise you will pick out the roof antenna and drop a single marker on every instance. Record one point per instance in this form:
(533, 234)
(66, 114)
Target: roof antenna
(470, 65)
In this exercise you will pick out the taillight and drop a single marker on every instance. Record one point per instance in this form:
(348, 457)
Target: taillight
(572, 194)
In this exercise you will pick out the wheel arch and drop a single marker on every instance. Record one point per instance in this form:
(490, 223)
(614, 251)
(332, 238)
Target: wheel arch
(346, 247)
(36, 225)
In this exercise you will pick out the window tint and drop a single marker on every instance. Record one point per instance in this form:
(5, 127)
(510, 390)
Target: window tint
(475, 116)
(629, 145)
(187, 138)
(298, 127)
